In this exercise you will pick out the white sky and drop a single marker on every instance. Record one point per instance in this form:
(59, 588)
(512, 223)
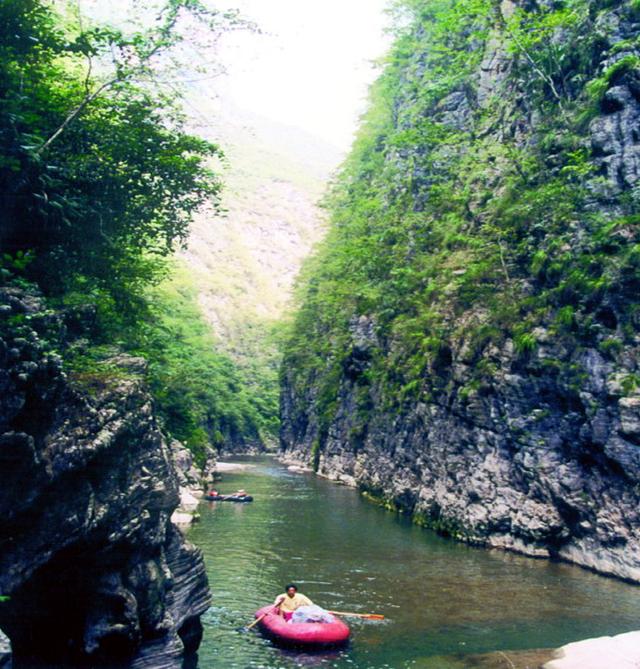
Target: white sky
(310, 67)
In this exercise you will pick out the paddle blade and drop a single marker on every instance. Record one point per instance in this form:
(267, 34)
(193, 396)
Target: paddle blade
(370, 616)
(246, 628)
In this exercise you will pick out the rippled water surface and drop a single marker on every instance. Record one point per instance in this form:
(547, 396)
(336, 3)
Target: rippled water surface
(440, 598)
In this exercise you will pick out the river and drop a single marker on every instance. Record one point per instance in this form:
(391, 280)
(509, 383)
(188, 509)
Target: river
(442, 600)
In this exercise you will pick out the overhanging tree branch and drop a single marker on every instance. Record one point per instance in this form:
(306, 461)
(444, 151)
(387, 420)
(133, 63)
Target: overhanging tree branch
(75, 113)
(141, 48)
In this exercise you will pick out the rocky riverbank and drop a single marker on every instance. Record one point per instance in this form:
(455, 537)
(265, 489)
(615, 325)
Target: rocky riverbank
(511, 467)
(193, 481)
(93, 568)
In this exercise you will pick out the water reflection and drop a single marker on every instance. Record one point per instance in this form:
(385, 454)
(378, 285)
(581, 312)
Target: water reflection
(440, 599)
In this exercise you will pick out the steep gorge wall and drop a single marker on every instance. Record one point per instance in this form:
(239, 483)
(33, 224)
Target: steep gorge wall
(477, 365)
(94, 571)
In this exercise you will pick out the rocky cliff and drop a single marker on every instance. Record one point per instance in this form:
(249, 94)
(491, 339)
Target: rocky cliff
(466, 349)
(94, 571)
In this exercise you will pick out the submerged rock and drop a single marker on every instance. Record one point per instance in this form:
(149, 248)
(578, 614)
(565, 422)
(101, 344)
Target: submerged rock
(94, 569)
(519, 659)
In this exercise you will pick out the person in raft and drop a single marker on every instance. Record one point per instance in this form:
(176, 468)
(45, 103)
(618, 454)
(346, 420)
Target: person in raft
(291, 600)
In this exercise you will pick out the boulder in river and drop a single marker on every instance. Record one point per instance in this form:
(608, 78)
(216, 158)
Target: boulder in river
(606, 652)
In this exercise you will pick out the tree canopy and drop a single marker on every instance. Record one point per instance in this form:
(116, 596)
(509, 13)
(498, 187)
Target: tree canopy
(98, 177)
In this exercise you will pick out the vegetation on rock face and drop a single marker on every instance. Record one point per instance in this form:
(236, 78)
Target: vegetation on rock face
(242, 264)
(98, 182)
(474, 209)
(202, 394)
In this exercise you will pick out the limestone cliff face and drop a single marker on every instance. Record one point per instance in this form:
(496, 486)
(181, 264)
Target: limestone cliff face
(94, 570)
(530, 444)
(527, 462)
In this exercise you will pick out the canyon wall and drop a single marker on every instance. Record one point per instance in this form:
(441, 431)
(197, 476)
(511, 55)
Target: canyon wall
(92, 569)
(466, 350)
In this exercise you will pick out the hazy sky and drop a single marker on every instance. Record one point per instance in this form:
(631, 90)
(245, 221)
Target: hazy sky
(310, 67)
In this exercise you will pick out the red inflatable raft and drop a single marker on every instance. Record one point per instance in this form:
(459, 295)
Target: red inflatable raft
(310, 635)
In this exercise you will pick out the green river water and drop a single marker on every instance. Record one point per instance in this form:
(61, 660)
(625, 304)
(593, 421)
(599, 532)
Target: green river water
(441, 599)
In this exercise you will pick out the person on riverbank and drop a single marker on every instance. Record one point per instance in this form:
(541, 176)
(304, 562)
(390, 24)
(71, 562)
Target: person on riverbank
(291, 600)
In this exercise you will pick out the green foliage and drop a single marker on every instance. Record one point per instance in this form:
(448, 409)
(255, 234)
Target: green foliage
(469, 225)
(99, 179)
(566, 315)
(13, 268)
(17, 263)
(599, 86)
(611, 346)
(446, 527)
(91, 372)
(202, 394)
(630, 383)
(316, 450)
(550, 67)
(524, 342)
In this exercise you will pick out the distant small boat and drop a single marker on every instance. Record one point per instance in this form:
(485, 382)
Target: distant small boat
(228, 498)
(307, 635)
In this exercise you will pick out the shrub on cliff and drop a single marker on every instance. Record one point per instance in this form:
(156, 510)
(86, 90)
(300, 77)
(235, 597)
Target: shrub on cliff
(473, 208)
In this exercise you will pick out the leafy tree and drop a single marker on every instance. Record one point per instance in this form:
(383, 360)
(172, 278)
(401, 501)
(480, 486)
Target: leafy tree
(97, 175)
(202, 394)
(98, 182)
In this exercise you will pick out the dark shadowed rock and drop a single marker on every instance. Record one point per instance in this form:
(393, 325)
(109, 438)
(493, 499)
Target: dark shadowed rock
(95, 571)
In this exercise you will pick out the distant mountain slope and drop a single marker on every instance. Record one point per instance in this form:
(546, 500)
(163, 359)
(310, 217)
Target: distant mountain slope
(243, 264)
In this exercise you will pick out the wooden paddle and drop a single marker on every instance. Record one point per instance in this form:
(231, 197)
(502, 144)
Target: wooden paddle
(257, 620)
(372, 616)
